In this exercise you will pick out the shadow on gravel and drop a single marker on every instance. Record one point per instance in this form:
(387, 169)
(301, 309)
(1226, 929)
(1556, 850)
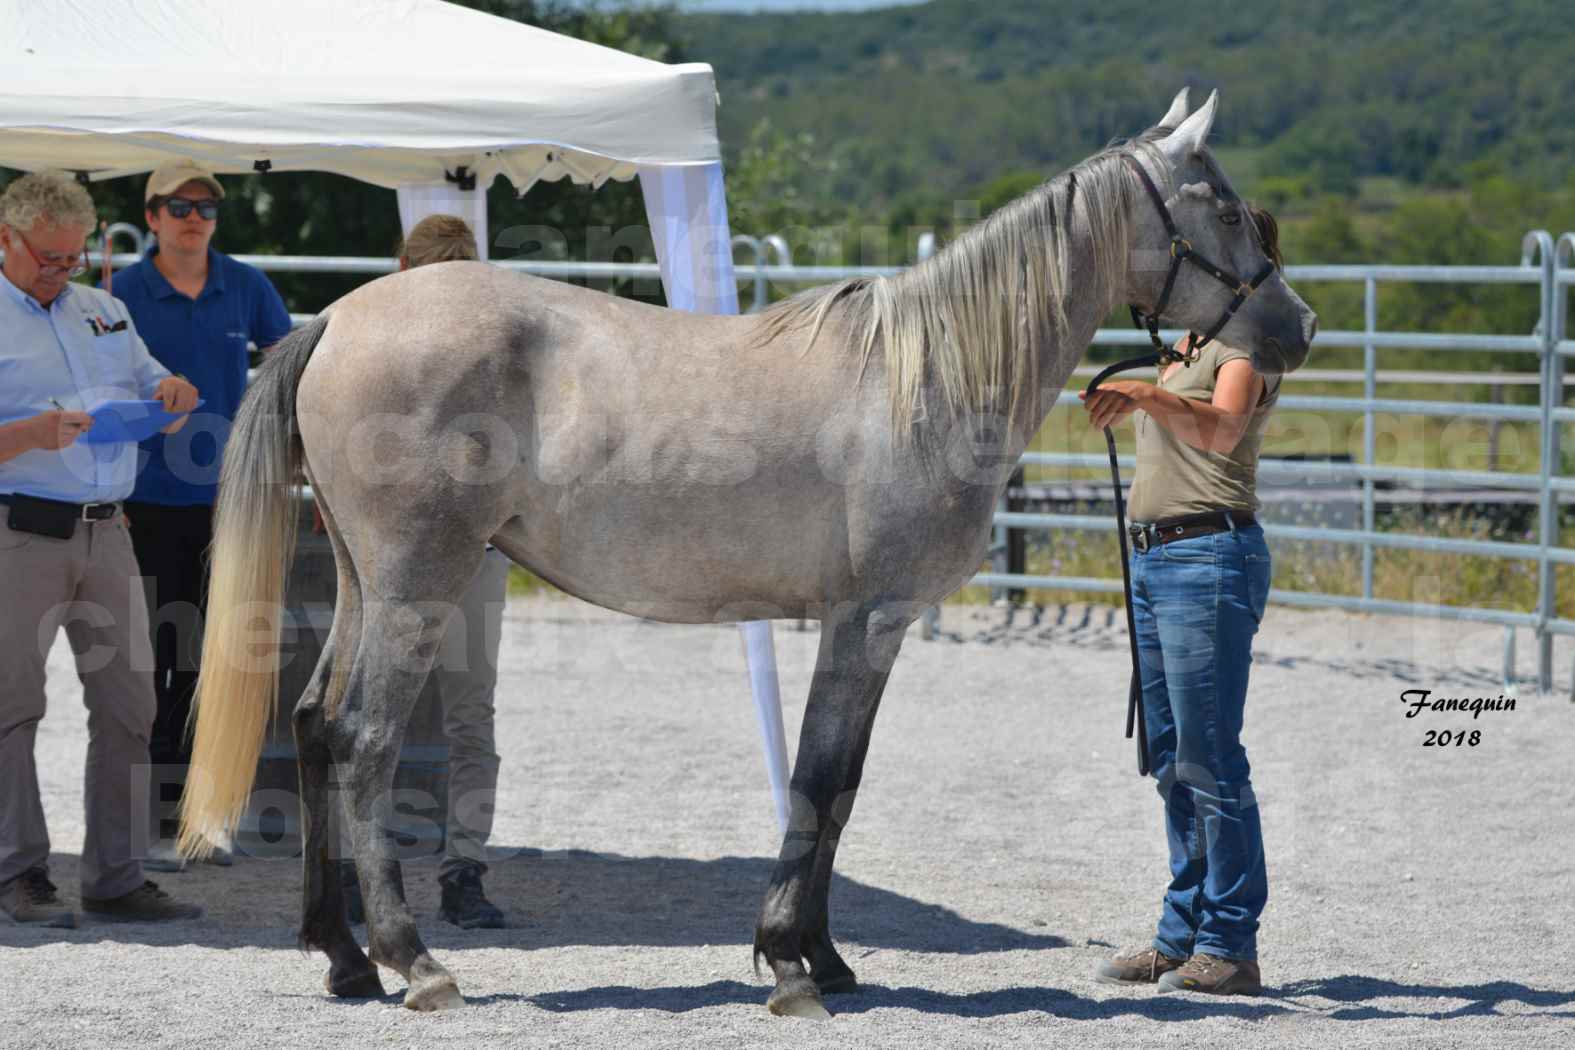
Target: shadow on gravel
(554, 899)
(1479, 999)
(1052, 1001)
(1103, 628)
(582, 898)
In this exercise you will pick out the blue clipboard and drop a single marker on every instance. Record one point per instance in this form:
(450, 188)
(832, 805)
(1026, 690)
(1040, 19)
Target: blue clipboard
(116, 422)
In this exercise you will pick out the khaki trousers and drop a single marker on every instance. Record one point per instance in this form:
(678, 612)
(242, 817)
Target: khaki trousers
(89, 585)
(467, 674)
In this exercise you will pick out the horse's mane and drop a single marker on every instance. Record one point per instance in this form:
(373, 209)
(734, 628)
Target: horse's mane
(977, 315)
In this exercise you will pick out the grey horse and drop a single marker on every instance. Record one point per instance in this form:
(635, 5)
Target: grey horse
(837, 457)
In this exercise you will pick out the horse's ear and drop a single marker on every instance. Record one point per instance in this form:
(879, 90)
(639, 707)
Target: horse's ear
(1176, 113)
(1193, 132)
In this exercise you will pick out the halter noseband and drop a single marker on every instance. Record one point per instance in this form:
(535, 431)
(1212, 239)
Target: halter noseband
(1180, 252)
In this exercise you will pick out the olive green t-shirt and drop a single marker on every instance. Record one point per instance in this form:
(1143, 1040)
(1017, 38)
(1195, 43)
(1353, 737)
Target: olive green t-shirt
(1174, 478)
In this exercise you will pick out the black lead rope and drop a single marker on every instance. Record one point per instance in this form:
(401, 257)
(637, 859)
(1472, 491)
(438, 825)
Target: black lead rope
(1135, 720)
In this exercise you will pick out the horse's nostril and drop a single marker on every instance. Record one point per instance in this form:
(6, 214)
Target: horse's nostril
(1310, 326)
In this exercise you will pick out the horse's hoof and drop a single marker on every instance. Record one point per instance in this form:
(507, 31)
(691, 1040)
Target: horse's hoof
(435, 993)
(355, 985)
(797, 998)
(801, 1006)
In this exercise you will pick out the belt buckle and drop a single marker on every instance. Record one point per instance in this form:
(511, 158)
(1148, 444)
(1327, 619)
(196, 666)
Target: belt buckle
(88, 508)
(1140, 538)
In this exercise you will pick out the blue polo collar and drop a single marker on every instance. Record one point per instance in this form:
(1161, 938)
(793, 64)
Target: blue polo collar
(161, 288)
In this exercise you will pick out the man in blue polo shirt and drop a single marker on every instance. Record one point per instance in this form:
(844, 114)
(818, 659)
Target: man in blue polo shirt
(197, 309)
(66, 555)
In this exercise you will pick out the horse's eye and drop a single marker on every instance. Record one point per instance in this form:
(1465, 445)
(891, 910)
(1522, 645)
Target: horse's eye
(1231, 218)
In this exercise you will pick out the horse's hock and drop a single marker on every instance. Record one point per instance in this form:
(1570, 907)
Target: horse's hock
(271, 824)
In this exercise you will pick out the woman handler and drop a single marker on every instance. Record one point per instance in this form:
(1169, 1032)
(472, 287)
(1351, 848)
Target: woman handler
(1200, 580)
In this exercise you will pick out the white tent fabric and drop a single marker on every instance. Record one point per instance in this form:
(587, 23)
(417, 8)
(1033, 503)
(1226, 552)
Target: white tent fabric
(688, 214)
(392, 92)
(413, 95)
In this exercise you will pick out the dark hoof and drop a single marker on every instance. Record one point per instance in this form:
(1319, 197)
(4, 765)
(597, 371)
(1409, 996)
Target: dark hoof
(842, 983)
(363, 984)
(797, 997)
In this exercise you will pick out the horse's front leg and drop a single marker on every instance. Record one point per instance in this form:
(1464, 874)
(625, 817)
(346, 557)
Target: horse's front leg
(857, 648)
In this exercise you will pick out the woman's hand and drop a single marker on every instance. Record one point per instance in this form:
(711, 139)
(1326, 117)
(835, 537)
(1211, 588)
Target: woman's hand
(1113, 402)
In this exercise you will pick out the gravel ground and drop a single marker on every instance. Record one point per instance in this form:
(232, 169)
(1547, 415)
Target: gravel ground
(1001, 846)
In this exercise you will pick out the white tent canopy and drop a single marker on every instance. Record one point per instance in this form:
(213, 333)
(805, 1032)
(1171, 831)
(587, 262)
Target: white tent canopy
(413, 95)
(392, 92)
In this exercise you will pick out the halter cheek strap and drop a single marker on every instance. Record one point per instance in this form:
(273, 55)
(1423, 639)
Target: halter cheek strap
(1181, 251)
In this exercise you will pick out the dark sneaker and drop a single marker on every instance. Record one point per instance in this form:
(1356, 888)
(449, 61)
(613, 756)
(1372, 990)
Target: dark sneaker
(163, 857)
(465, 904)
(1214, 976)
(1143, 966)
(30, 900)
(146, 903)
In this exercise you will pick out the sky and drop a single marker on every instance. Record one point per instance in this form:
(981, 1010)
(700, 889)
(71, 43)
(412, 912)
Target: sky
(788, 5)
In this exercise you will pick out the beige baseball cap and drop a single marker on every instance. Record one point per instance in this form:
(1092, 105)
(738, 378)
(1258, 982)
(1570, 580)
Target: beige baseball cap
(167, 178)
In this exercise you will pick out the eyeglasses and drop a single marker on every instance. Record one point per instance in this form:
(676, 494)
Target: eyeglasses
(72, 264)
(180, 207)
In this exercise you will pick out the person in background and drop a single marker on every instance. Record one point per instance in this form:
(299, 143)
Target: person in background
(467, 674)
(65, 548)
(198, 310)
(1200, 583)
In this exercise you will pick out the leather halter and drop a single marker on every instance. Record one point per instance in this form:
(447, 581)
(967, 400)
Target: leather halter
(1181, 251)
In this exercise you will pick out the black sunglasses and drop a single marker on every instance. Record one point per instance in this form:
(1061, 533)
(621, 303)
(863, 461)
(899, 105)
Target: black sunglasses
(180, 207)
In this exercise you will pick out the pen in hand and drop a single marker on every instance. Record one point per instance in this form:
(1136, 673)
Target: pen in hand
(73, 427)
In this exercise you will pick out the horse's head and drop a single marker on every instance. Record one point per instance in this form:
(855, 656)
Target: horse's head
(1211, 221)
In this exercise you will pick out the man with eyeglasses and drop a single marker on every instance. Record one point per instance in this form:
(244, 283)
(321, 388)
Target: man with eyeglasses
(198, 309)
(65, 552)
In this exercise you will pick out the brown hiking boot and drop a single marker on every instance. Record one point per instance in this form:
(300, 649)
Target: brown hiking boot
(146, 903)
(30, 900)
(1215, 976)
(1143, 966)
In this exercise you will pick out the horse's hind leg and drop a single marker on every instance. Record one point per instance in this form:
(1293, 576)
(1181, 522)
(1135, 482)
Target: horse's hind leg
(321, 712)
(857, 648)
(323, 921)
(399, 641)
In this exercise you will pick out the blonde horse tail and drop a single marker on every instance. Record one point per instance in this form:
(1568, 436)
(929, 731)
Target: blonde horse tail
(253, 540)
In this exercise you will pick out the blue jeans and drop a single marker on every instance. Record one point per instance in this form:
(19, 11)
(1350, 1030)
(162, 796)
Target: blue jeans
(1197, 603)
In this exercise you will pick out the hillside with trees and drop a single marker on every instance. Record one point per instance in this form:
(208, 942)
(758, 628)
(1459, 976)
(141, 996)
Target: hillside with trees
(1384, 130)
(954, 92)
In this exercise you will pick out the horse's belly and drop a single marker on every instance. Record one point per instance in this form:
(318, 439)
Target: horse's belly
(688, 561)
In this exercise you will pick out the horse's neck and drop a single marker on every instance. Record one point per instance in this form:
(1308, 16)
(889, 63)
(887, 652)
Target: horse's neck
(1085, 307)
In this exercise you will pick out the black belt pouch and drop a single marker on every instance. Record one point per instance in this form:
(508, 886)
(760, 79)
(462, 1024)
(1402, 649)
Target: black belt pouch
(44, 517)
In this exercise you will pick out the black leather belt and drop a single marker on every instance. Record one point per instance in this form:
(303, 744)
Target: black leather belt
(1187, 527)
(83, 511)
